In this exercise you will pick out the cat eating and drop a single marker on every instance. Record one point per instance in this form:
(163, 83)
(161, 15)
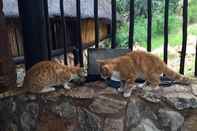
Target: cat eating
(43, 76)
(137, 64)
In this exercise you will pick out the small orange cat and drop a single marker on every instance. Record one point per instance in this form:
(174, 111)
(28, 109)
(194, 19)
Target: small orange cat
(137, 64)
(43, 76)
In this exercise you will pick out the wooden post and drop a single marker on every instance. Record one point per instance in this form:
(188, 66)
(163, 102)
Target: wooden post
(48, 39)
(7, 66)
(64, 30)
(79, 49)
(32, 13)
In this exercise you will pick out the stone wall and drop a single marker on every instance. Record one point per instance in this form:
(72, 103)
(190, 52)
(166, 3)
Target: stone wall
(100, 112)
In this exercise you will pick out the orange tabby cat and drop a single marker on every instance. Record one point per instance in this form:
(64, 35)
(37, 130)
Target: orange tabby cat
(43, 76)
(137, 64)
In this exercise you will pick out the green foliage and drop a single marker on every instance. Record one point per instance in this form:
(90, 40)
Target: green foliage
(140, 26)
(174, 6)
(140, 31)
(122, 35)
(157, 24)
(122, 6)
(192, 29)
(193, 11)
(174, 23)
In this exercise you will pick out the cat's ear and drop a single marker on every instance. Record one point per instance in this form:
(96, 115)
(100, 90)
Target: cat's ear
(100, 61)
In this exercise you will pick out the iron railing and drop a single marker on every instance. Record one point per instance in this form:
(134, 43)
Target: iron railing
(78, 51)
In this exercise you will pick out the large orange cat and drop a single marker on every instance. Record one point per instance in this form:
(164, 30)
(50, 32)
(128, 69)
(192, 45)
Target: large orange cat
(137, 64)
(44, 75)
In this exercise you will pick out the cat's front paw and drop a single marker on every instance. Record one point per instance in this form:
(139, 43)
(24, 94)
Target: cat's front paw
(120, 89)
(128, 90)
(66, 86)
(127, 94)
(142, 85)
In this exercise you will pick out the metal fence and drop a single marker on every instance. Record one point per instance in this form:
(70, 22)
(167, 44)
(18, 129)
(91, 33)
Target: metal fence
(79, 49)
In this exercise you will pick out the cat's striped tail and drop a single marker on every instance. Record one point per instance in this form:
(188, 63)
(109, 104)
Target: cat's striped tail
(176, 76)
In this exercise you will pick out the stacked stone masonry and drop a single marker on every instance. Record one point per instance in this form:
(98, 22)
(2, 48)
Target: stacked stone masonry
(96, 107)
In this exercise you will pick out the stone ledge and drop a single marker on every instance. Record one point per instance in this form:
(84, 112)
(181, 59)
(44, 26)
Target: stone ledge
(105, 110)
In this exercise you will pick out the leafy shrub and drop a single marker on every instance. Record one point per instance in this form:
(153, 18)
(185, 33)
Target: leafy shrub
(123, 6)
(174, 23)
(122, 35)
(192, 11)
(140, 27)
(157, 24)
(140, 30)
(192, 29)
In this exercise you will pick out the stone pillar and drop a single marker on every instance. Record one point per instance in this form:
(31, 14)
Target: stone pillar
(7, 66)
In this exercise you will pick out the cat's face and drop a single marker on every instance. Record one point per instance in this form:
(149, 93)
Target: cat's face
(105, 68)
(77, 74)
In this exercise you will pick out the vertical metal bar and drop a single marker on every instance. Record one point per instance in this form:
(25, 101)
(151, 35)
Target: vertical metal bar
(79, 43)
(34, 31)
(195, 72)
(47, 28)
(96, 20)
(64, 30)
(184, 40)
(131, 25)
(166, 31)
(149, 25)
(113, 10)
